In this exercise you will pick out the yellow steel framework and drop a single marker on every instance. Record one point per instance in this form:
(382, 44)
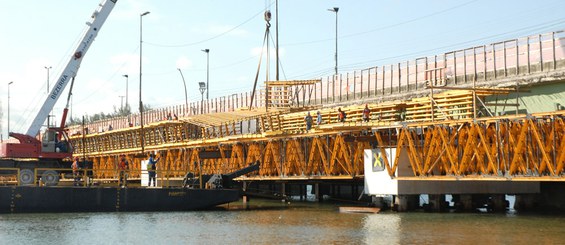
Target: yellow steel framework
(438, 134)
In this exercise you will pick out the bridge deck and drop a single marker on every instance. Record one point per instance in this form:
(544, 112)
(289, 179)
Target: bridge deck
(441, 132)
(443, 140)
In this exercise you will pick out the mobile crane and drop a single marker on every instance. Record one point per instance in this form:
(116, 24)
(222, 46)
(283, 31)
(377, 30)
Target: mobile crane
(53, 150)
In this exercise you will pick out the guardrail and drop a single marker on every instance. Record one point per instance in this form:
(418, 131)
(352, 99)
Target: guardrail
(85, 177)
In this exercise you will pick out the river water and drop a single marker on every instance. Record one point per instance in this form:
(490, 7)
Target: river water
(274, 222)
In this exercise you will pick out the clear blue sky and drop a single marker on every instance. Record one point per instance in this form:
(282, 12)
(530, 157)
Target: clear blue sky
(38, 33)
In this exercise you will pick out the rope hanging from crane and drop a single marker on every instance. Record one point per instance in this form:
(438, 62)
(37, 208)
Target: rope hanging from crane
(267, 16)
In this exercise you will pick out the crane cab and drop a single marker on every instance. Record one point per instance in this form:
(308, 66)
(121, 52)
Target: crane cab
(55, 140)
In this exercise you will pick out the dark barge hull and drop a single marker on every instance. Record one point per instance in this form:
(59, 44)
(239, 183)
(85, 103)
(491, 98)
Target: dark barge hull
(24, 199)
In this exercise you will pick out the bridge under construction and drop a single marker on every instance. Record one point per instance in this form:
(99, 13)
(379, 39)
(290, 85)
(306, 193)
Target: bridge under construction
(486, 114)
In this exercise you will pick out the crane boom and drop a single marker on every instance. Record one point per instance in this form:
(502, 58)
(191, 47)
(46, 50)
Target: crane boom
(97, 20)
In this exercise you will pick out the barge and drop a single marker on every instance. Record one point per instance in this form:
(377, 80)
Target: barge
(33, 199)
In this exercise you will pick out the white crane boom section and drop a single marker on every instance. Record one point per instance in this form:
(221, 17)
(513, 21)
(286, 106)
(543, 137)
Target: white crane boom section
(97, 20)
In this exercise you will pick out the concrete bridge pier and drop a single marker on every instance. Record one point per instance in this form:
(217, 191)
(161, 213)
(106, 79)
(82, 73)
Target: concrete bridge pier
(497, 203)
(317, 196)
(551, 198)
(526, 202)
(379, 202)
(463, 202)
(436, 203)
(403, 203)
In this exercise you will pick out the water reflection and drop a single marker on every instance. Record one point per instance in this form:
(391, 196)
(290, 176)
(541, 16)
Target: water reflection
(278, 223)
(381, 228)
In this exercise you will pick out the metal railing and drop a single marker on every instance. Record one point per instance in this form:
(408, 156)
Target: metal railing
(520, 56)
(85, 177)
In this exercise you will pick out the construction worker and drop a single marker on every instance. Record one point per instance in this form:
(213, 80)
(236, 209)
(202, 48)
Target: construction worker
(308, 120)
(340, 115)
(122, 168)
(366, 113)
(151, 167)
(76, 176)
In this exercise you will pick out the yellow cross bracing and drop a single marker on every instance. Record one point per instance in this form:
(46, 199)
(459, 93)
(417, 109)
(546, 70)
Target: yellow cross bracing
(515, 146)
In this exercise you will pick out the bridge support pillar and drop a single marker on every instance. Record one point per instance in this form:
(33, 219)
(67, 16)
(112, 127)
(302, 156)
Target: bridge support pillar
(404, 203)
(436, 202)
(498, 203)
(317, 192)
(463, 202)
(525, 202)
(245, 197)
(378, 201)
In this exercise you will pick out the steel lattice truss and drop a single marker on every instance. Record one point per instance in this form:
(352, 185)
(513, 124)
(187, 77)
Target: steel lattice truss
(438, 143)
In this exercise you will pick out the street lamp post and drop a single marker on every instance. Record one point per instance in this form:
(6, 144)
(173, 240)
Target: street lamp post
(140, 66)
(335, 10)
(185, 93)
(10, 83)
(127, 78)
(202, 87)
(207, 51)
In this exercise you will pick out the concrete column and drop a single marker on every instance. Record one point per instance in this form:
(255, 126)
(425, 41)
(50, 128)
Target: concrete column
(464, 202)
(245, 202)
(497, 203)
(526, 202)
(317, 192)
(404, 203)
(283, 190)
(378, 201)
(436, 202)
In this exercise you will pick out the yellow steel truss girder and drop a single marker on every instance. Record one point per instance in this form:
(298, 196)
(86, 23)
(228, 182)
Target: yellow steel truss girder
(413, 154)
(295, 163)
(317, 157)
(340, 157)
(271, 164)
(358, 158)
(545, 162)
(490, 148)
(255, 152)
(237, 158)
(516, 146)
(491, 168)
(559, 146)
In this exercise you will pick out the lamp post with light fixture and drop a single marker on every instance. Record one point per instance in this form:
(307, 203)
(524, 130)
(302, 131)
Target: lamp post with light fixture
(140, 66)
(202, 87)
(207, 51)
(335, 10)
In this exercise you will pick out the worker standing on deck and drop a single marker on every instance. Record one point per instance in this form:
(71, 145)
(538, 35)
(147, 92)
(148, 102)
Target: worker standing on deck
(366, 113)
(318, 118)
(340, 115)
(123, 167)
(151, 167)
(308, 120)
(76, 176)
